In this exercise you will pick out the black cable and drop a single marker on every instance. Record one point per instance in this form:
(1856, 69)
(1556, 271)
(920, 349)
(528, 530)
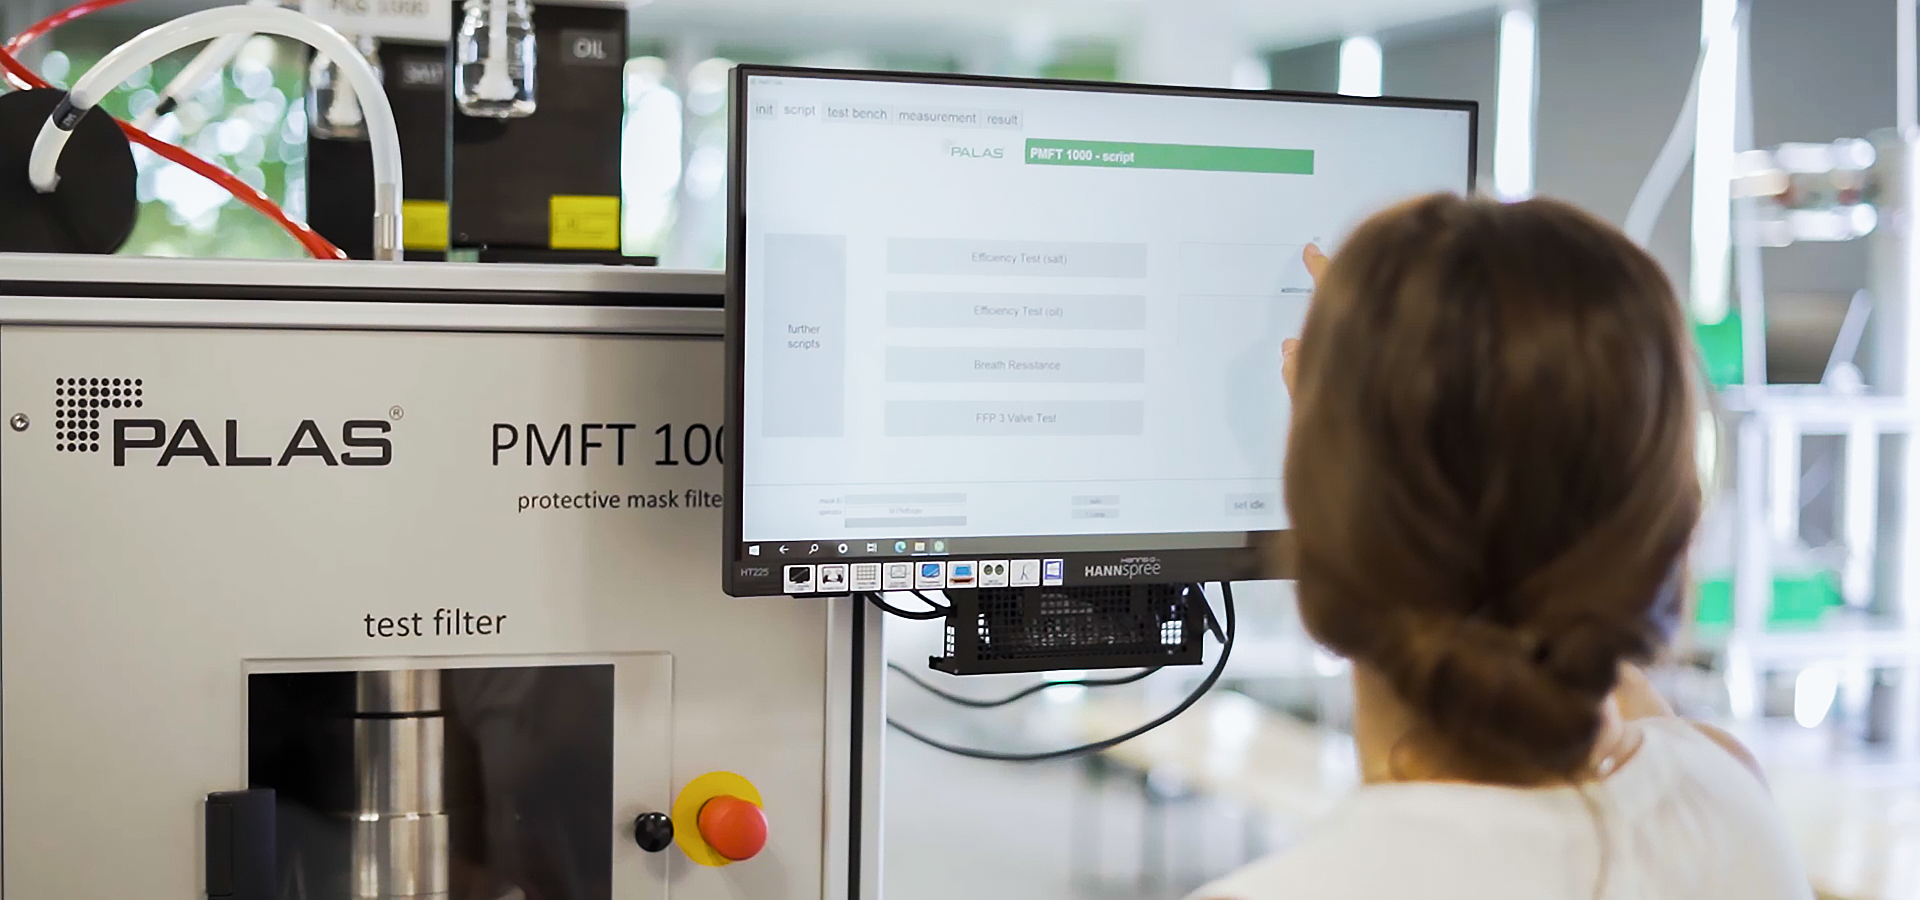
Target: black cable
(922, 615)
(1219, 667)
(936, 604)
(1018, 695)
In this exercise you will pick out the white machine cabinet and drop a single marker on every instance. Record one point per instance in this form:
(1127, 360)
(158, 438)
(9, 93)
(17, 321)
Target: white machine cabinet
(431, 551)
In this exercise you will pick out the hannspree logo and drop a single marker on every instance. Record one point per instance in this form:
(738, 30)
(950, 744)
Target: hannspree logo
(92, 414)
(1129, 568)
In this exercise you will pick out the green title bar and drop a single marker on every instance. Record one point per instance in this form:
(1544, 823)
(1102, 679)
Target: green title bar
(1191, 157)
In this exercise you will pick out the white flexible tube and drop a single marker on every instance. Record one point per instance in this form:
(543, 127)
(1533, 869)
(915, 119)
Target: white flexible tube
(156, 42)
(212, 58)
(1906, 102)
(1657, 188)
(1749, 281)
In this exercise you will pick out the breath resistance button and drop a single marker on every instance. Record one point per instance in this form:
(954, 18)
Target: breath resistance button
(718, 820)
(734, 828)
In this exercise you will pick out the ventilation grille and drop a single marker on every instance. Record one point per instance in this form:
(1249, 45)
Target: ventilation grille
(995, 630)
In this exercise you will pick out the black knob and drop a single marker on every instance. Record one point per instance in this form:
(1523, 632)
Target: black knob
(653, 831)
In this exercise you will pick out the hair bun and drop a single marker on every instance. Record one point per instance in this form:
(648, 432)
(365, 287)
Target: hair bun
(1585, 655)
(1500, 697)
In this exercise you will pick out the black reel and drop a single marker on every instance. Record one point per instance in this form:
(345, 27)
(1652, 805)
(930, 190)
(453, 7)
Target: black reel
(93, 208)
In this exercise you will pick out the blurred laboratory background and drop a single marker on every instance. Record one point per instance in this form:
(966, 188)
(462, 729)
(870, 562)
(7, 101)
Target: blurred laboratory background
(1757, 148)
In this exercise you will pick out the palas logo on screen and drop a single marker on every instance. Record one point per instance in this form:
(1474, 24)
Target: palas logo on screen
(92, 414)
(972, 151)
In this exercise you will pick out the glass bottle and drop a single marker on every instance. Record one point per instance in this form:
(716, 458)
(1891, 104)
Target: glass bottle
(494, 59)
(333, 112)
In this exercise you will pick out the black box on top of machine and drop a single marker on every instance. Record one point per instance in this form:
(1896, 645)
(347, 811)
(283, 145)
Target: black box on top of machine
(340, 171)
(548, 181)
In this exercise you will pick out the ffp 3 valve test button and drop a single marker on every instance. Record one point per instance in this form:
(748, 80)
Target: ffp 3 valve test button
(719, 819)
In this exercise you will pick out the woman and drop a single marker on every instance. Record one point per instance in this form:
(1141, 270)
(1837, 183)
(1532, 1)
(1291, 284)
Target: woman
(1492, 485)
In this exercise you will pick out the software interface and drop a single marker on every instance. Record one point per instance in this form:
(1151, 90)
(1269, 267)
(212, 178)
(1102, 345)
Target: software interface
(986, 311)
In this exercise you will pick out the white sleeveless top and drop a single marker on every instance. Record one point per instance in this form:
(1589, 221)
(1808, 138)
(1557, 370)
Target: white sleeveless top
(1683, 820)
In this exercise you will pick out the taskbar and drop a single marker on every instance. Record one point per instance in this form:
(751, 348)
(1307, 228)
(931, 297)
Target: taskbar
(815, 575)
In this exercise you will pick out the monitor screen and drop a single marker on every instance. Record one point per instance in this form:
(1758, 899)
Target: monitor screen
(1005, 333)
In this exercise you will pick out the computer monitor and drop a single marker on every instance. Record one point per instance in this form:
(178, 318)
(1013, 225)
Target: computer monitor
(990, 332)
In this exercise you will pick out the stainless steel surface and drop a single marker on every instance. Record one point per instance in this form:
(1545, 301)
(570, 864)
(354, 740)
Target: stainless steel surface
(405, 691)
(492, 277)
(399, 766)
(400, 826)
(396, 858)
(666, 322)
(387, 236)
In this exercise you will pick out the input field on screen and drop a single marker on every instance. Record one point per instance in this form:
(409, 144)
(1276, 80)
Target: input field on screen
(1242, 270)
(995, 418)
(1016, 365)
(861, 500)
(908, 523)
(905, 511)
(1054, 312)
(1058, 259)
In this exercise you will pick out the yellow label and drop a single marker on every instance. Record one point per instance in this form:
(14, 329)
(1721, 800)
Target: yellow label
(423, 224)
(584, 223)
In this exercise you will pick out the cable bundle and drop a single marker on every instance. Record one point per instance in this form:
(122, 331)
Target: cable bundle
(939, 611)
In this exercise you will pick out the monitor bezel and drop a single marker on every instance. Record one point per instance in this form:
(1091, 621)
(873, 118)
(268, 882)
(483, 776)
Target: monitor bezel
(1266, 555)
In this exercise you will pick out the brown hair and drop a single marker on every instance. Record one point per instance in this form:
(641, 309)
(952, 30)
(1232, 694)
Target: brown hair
(1491, 475)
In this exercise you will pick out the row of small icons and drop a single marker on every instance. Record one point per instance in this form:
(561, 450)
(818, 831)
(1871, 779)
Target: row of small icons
(873, 547)
(832, 578)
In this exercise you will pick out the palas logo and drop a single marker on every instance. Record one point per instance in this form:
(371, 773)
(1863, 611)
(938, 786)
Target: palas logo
(78, 402)
(96, 414)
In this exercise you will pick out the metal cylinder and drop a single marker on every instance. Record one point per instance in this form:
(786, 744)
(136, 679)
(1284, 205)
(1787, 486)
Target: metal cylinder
(400, 829)
(397, 693)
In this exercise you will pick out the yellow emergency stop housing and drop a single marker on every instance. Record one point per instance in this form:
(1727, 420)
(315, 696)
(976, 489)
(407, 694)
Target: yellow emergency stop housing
(686, 812)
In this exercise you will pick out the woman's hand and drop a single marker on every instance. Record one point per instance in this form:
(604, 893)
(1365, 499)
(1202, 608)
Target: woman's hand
(1289, 349)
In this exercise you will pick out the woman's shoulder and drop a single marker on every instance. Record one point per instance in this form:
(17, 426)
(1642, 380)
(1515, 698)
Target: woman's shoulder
(1381, 842)
(1705, 745)
(1448, 840)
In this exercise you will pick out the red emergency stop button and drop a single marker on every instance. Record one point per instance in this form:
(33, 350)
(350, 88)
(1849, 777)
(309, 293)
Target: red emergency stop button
(734, 828)
(718, 820)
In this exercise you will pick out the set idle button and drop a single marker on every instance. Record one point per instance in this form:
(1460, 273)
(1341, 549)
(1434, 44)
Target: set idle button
(734, 828)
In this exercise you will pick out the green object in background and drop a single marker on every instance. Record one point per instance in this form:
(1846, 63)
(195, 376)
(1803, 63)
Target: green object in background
(1797, 600)
(1720, 349)
(1189, 157)
(1084, 62)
